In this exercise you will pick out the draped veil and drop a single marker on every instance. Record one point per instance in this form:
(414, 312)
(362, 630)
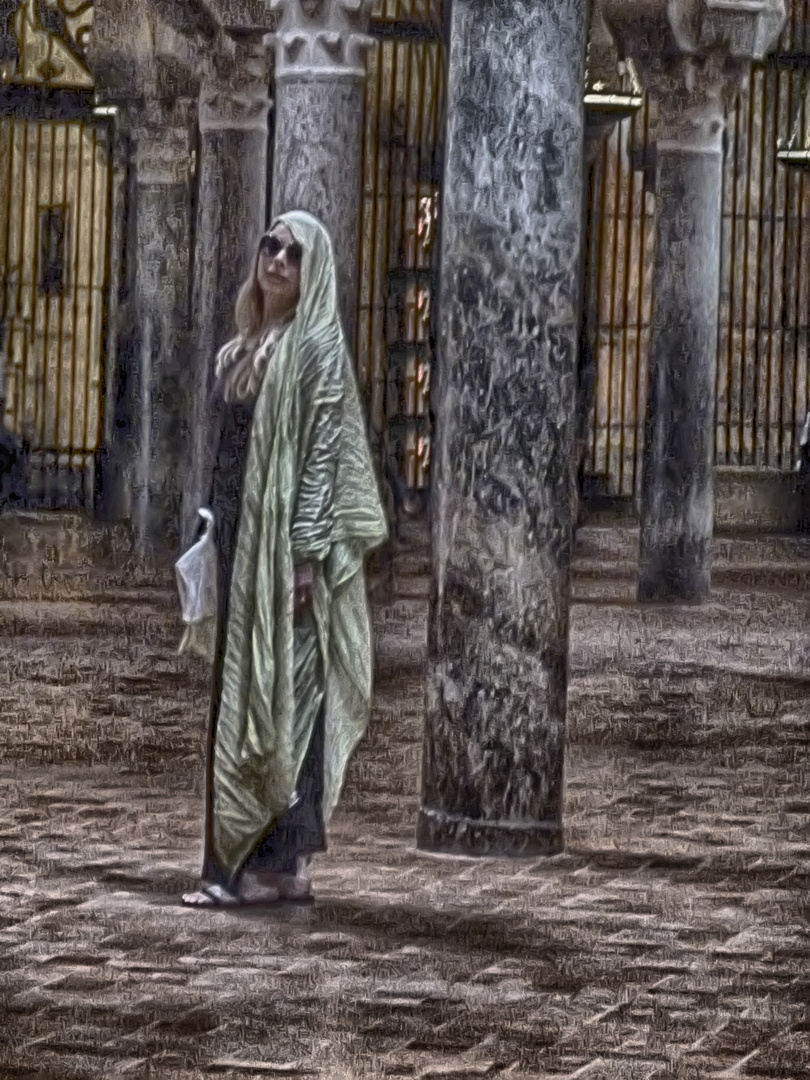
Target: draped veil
(308, 494)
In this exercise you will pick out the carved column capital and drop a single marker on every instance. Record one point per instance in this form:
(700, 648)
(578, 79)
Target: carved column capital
(658, 32)
(234, 91)
(693, 55)
(321, 38)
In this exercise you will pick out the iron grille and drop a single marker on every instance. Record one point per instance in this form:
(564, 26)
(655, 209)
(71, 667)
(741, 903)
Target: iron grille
(401, 174)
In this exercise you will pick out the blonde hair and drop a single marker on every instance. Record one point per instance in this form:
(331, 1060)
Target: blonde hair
(249, 311)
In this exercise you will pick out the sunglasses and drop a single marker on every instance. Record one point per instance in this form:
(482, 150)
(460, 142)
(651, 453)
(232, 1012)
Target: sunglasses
(272, 246)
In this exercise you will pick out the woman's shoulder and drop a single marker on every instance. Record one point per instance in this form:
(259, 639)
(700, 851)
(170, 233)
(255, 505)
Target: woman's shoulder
(321, 347)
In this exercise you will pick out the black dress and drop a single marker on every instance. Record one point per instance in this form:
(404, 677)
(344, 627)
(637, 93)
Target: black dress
(300, 831)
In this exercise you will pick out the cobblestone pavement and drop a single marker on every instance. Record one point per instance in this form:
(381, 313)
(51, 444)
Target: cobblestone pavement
(670, 940)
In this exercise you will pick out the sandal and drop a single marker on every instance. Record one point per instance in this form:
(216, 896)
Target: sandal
(211, 896)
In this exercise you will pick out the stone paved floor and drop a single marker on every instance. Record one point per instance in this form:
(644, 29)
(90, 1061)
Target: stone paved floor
(670, 940)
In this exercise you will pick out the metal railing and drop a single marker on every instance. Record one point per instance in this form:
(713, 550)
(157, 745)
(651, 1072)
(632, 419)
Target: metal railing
(401, 174)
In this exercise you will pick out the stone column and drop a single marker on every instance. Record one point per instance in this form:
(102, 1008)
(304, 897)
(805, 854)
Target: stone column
(231, 211)
(159, 382)
(115, 502)
(319, 110)
(502, 469)
(702, 51)
(677, 479)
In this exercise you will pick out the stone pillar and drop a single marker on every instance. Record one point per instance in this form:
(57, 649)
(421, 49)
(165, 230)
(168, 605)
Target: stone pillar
(319, 110)
(159, 382)
(502, 470)
(231, 212)
(702, 51)
(115, 493)
(677, 479)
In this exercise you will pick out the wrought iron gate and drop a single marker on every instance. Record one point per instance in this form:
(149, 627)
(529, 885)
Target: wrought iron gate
(763, 364)
(55, 191)
(401, 173)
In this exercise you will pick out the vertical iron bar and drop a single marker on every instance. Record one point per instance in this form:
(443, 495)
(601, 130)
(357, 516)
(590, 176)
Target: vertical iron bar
(90, 292)
(385, 284)
(628, 250)
(783, 315)
(614, 262)
(744, 366)
(107, 316)
(43, 393)
(6, 329)
(758, 77)
(800, 277)
(640, 312)
(23, 247)
(371, 151)
(770, 327)
(424, 49)
(599, 292)
(438, 109)
(46, 372)
(404, 424)
(60, 330)
(76, 265)
(732, 280)
(375, 211)
(19, 374)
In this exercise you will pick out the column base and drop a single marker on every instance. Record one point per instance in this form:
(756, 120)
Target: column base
(452, 834)
(680, 574)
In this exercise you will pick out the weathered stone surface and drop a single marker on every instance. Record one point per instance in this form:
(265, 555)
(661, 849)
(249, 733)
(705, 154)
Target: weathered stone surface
(319, 108)
(231, 210)
(677, 492)
(160, 376)
(317, 165)
(502, 476)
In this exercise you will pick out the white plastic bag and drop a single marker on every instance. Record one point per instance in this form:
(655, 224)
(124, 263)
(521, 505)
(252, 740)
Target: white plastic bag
(196, 573)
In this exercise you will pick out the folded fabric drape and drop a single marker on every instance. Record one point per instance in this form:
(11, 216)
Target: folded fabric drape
(309, 494)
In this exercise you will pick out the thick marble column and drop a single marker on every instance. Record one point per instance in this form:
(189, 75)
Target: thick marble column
(502, 469)
(319, 110)
(160, 386)
(231, 210)
(693, 55)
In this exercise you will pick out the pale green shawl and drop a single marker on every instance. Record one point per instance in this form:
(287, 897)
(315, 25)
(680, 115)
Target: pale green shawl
(336, 520)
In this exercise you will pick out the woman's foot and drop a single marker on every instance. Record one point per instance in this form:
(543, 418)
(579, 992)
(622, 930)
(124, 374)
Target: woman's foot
(210, 896)
(284, 886)
(258, 887)
(293, 887)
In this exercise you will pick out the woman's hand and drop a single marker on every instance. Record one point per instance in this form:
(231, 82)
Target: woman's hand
(304, 578)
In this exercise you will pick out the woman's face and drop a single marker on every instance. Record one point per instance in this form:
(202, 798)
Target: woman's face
(278, 270)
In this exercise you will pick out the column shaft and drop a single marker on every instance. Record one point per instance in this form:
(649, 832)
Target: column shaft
(317, 166)
(231, 208)
(160, 378)
(677, 495)
(692, 54)
(502, 475)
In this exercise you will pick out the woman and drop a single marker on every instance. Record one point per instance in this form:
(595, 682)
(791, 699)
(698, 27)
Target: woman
(292, 679)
